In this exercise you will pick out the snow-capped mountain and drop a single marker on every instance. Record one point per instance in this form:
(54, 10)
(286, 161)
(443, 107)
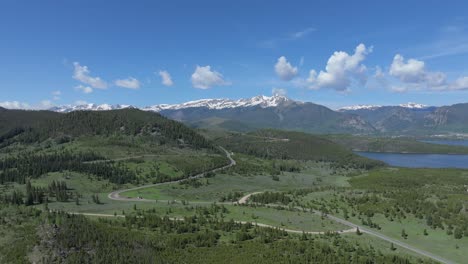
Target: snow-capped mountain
(409, 105)
(261, 100)
(359, 107)
(88, 107)
(414, 105)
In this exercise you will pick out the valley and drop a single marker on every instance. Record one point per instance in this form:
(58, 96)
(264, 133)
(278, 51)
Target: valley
(294, 186)
(237, 132)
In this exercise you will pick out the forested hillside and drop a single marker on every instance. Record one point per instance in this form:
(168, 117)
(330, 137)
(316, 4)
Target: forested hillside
(13, 122)
(129, 122)
(293, 145)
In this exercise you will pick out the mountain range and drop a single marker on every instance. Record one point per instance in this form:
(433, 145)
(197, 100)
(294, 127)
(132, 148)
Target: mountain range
(284, 113)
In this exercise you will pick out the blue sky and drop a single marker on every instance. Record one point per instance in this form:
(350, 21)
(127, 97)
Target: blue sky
(361, 52)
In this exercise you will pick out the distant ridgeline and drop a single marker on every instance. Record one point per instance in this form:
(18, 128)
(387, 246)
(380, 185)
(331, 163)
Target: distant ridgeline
(37, 126)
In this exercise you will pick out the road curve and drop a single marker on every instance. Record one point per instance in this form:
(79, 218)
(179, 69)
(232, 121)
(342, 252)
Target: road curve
(115, 195)
(391, 240)
(238, 222)
(353, 227)
(366, 230)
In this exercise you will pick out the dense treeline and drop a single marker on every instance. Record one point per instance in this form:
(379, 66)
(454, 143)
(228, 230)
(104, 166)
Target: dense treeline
(16, 120)
(270, 198)
(149, 238)
(21, 167)
(130, 122)
(59, 190)
(231, 197)
(37, 195)
(275, 144)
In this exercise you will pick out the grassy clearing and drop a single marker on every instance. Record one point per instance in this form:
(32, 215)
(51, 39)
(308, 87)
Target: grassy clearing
(213, 189)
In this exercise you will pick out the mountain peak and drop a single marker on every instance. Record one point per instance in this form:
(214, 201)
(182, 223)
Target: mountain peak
(413, 105)
(259, 100)
(409, 105)
(88, 107)
(359, 107)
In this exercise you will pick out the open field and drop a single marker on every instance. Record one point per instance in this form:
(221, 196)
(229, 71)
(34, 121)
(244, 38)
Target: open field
(212, 189)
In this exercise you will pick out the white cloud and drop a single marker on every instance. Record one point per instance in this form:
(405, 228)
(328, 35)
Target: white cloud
(14, 105)
(279, 91)
(84, 89)
(413, 75)
(166, 78)
(459, 84)
(284, 69)
(130, 83)
(81, 73)
(379, 73)
(411, 71)
(341, 70)
(205, 78)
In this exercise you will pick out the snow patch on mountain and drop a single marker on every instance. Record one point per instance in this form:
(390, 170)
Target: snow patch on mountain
(409, 105)
(261, 100)
(359, 107)
(88, 107)
(414, 105)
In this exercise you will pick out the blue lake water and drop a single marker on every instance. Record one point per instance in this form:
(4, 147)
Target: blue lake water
(419, 160)
(448, 142)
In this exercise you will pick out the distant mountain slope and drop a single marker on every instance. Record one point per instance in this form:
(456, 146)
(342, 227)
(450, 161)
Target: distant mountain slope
(283, 113)
(416, 120)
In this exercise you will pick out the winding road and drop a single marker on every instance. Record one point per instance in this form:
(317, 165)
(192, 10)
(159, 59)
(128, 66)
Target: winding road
(115, 195)
(353, 227)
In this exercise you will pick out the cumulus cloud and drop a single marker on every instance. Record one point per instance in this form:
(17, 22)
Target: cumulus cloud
(205, 78)
(284, 69)
(84, 89)
(44, 104)
(82, 74)
(279, 91)
(411, 71)
(413, 75)
(459, 84)
(130, 83)
(342, 70)
(166, 78)
(14, 105)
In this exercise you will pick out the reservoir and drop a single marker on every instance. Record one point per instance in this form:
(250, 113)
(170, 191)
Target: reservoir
(419, 160)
